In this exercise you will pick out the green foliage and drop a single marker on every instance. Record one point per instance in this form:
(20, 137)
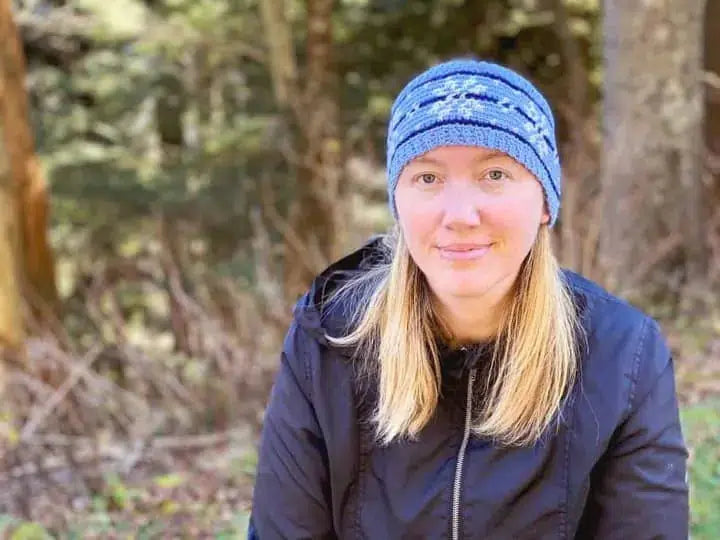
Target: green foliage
(701, 424)
(169, 481)
(237, 529)
(23, 530)
(118, 494)
(245, 465)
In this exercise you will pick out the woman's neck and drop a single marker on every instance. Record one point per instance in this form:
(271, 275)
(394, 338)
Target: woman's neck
(471, 319)
(466, 325)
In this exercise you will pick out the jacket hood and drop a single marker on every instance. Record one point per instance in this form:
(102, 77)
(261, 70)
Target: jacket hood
(314, 313)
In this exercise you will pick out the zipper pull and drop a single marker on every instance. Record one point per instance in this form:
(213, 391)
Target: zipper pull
(466, 358)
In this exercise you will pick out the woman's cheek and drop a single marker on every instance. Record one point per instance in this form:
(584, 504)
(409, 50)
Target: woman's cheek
(419, 219)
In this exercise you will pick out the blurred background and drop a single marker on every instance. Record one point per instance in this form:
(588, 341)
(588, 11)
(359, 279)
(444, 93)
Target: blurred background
(173, 173)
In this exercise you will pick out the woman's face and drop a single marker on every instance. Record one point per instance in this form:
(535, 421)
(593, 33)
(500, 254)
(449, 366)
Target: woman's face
(469, 216)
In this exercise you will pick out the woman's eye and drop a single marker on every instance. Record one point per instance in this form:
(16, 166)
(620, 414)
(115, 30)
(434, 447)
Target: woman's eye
(427, 179)
(496, 174)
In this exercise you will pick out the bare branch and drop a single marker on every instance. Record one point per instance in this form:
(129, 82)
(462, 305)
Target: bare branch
(47, 407)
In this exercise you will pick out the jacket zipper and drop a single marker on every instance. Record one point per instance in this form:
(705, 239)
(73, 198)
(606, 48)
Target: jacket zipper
(457, 485)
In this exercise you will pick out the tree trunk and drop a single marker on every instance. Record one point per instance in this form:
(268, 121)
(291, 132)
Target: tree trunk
(281, 54)
(37, 268)
(651, 188)
(169, 109)
(712, 128)
(11, 327)
(712, 95)
(170, 261)
(314, 233)
(577, 151)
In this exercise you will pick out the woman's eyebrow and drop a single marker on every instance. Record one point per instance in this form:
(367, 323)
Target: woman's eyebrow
(491, 155)
(427, 161)
(437, 163)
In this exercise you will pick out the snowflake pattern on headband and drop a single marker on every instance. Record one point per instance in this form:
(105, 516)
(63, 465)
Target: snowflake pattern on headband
(458, 98)
(456, 107)
(538, 130)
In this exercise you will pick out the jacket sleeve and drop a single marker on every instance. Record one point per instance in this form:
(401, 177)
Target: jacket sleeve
(290, 498)
(639, 488)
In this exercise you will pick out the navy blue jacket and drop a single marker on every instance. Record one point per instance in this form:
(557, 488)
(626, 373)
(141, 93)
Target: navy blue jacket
(615, 468)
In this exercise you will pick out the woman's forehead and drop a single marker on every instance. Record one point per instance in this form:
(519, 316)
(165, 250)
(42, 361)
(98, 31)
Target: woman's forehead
(447, 155)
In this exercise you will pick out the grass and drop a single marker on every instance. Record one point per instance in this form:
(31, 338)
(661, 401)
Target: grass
(701, 425)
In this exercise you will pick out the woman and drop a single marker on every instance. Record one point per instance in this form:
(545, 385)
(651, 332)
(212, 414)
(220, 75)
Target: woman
(449, 380)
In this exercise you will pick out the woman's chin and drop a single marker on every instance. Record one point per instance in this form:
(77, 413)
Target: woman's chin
(461, 288)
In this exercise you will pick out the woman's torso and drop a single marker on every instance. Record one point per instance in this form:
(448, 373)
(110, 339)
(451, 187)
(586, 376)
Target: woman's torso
(406, 489)
(561, 487)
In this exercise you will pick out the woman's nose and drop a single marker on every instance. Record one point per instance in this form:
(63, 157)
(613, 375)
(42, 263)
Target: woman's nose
(461, 205)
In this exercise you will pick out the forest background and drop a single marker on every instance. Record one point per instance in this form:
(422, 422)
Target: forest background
(173, 173)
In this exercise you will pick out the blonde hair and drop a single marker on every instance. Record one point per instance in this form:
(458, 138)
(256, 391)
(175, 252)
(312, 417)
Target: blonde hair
(393, 327)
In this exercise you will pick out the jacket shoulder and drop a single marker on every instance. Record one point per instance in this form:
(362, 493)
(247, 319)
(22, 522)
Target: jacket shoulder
(601, 308)
(626, 347)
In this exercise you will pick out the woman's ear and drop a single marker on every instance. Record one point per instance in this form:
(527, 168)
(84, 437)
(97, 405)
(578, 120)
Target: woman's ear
(546, 213)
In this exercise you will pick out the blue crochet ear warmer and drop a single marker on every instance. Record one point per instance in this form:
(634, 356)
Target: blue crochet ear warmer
(475, 103)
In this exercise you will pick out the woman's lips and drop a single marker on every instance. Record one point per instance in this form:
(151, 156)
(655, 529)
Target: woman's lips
(462, 253)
